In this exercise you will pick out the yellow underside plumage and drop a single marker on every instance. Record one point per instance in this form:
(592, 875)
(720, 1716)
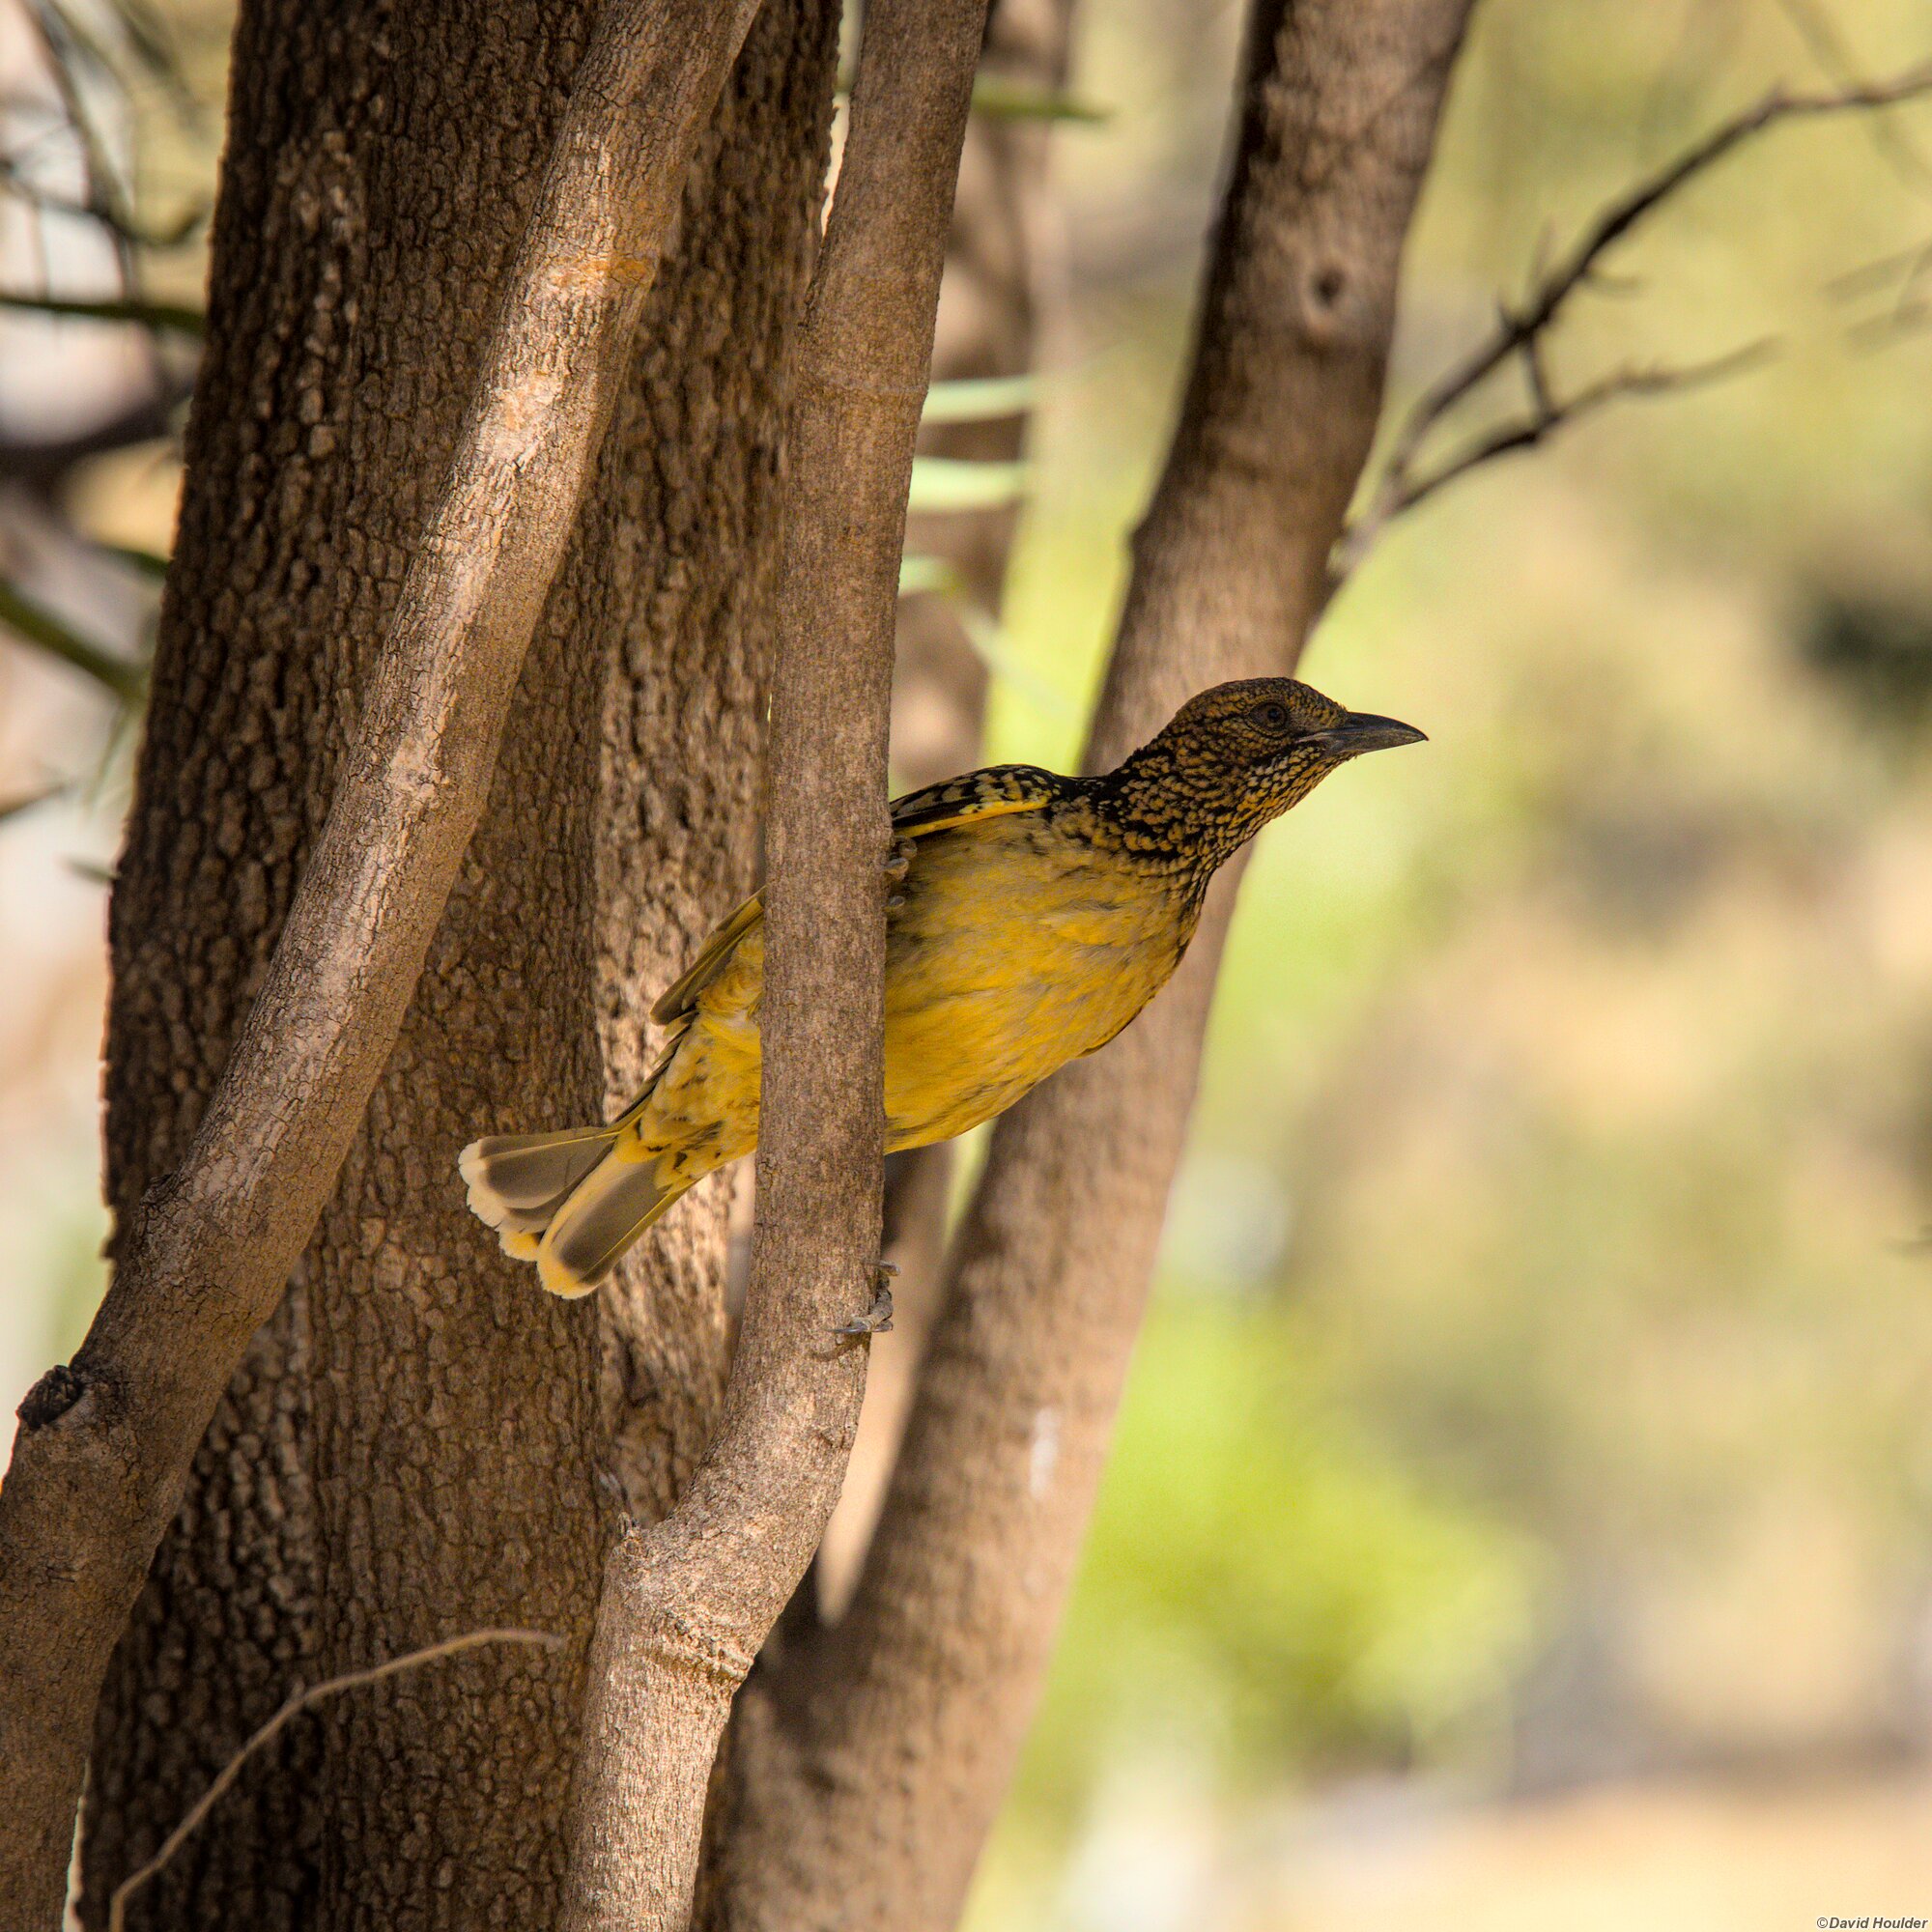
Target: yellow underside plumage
(1018, 945)
(1015, 951)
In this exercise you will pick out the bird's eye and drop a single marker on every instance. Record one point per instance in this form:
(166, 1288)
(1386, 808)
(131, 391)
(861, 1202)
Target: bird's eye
(1273, 717)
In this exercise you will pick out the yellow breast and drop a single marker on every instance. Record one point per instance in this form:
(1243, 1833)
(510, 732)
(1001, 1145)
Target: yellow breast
(1018, 949)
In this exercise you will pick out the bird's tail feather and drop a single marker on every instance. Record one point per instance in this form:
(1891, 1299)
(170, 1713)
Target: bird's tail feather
(604, 1214)
(570, 1202)
(518, 1182)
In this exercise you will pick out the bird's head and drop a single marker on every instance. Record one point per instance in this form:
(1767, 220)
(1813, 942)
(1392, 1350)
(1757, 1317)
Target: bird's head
(1235, 756)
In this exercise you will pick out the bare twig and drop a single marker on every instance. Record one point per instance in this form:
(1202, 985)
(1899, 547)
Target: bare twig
(106, 1443)
(1522, 329)
(1827, 46)
(1549, 412)
(1620, 217)
(297, 1704)
(17, 182)
(68, 46)
(123, 34)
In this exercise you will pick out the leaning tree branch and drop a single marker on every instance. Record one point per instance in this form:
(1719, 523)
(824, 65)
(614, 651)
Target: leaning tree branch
(160, 317)
(891, 1736)
(1522, 328)
(296, 1704)
(106, 1443)
(687, 1602)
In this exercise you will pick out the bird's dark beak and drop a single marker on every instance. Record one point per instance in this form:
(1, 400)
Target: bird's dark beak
(1363, 731)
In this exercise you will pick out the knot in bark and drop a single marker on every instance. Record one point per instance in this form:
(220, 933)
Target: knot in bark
(51, 1397)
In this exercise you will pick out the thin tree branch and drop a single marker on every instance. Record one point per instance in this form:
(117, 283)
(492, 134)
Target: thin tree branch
(106, 1443)
(15, 180)
(1522, 329)
(297, 1704)
(686, 1604)
(1827, 45)
(71, 45)
(1627, 213)
(1548, 413)
(890, 1739)
(1551, 415)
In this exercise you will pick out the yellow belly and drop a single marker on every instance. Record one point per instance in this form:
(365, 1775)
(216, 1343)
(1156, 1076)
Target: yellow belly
(1015, 951)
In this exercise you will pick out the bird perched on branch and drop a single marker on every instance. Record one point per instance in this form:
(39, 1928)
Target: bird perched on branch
(1034, 916)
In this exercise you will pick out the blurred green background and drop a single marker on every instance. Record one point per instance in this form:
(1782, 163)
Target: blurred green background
(1522, 1508)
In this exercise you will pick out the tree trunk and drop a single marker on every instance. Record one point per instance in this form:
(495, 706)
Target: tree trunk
(678, 565)
(409, 1450)
(889, 1740)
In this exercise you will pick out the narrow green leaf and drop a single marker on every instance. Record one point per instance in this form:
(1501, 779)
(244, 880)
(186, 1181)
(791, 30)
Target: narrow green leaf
(169, 316)
(1009, 100)
(946, 483)
(927, 573)
(13, 807)
(980, 399)
(147, 562)
(41, 628)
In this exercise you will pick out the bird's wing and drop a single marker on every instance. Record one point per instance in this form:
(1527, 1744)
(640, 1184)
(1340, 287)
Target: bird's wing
(679, 1000)
(981, 794)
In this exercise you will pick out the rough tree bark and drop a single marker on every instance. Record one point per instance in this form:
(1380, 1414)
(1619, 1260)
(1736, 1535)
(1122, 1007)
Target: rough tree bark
(891, 1736)
(677, 564)
(990, 324)
(410, 1441)
(686, 1604)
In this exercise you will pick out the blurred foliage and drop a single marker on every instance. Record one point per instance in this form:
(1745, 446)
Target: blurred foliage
(40, 630)
(1267, 1586)
(1878, 651)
